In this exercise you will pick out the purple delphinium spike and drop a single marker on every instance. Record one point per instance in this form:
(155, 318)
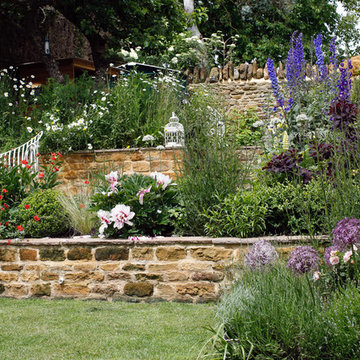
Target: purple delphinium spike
(261, 255)
(274, 83)
(344, 84)
(332, 50)
(303, 260)
(320, 57)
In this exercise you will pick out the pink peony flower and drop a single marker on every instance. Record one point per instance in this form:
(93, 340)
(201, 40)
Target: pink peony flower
(142, 193)
(120, 215)
(104, 217)
(161, 179)
(112, 178)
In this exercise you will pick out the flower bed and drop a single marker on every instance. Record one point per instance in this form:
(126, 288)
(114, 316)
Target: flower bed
(190, 269)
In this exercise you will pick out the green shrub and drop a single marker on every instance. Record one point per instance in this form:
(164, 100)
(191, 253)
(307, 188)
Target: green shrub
(239, 215)
(242, 128)
(52, 218)
(277, 208)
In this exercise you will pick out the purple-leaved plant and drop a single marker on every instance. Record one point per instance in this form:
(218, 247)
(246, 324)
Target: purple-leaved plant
(261, 255)
(303, 259)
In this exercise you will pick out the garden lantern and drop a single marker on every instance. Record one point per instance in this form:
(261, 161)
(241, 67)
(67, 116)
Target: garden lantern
(174, 133)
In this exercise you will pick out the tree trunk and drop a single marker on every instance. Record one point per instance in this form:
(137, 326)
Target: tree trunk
(98, 46)
(189, 9)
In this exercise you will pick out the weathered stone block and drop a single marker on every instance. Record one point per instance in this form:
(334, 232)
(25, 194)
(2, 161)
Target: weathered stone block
(28, 254)
(162, 267)
(77, 276)
(148, 276)
(139, 289)
(39, 290)
(133, 267)
(142, 253)
(165, 291)
(170, 253)
(72, 289)
(29, 276)
(112, 253)
(85, 267)
(11, 267)
(214, 75)
(7, 277)
(8, 254)
(141, 166)
(195, 289)
(137, 156)
(260, 73)
(79, 253)
(109, 267)
(48, 276)
(97, 276)
(208, 276)
(16, 290)
(195, 266)
(119, 276)
(212, 253)
(108, 289)
(177, 276)
(53, 254)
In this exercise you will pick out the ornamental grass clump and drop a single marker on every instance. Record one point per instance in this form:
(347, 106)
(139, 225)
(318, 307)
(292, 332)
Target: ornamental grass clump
(303, 259)
(261, 256)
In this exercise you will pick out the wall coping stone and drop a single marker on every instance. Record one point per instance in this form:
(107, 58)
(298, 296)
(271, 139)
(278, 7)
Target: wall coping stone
(174, 240)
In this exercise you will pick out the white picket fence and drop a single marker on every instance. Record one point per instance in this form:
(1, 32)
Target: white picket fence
(27, 151)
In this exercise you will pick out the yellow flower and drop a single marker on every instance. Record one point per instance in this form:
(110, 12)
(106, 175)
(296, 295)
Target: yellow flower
(128, 147)
(57, 110)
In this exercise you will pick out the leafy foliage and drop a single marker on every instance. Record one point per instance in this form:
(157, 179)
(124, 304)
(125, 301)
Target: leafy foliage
(41, 214)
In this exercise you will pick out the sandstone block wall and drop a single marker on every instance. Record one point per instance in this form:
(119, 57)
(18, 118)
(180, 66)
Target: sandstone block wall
(77, 167)
(171, 269)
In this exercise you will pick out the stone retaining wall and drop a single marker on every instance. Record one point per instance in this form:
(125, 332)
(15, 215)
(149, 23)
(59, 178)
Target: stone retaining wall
(78, 166)
(172, 269)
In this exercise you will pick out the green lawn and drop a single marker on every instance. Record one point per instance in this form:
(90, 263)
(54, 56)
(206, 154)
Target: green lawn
(70, 329)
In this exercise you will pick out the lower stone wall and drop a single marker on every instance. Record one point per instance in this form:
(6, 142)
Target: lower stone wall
(172, 269)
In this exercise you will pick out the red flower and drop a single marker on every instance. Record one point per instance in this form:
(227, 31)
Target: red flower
(56, 169)
(52, 163)
(5, 191)
(2, 209)
(82, 206)
(24, 162)
(7, 223)
(6, 206)
(41, 175)
(59, 154)
(38, 154)
(26, 206)
(87, 182)
(53, 154)
(9, 241)
(20, 228)
(53, 158)
(28, 166)
(36, 218)
(1, 197)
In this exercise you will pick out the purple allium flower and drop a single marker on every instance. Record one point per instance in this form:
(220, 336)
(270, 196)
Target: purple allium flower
(303, 260)
(274, 83)
(328, 252)
(346, 232)
(260, 255)
(320, 57)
